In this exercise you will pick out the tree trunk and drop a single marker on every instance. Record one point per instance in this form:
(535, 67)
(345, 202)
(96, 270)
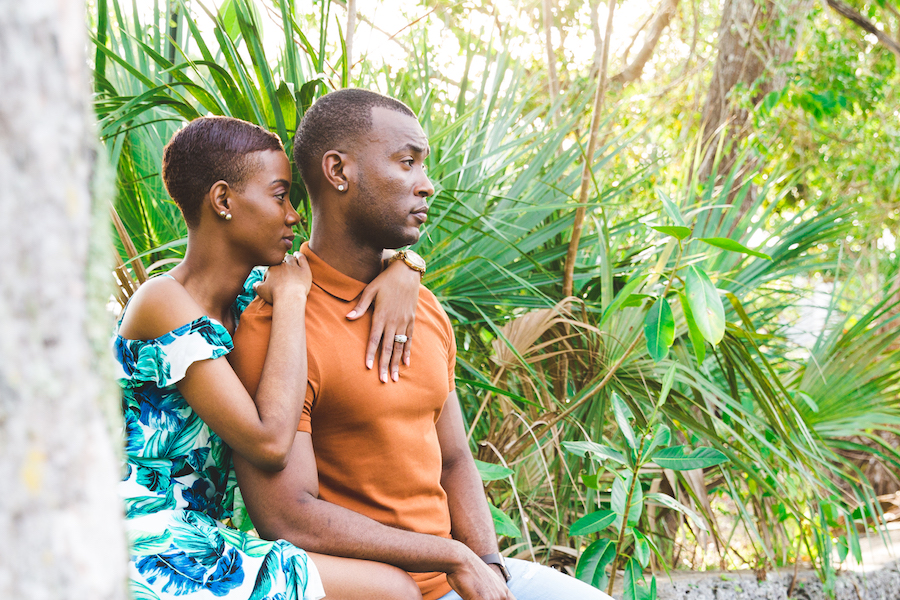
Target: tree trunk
(348, 37)
(61, 533)
(552, 77)
(755, 39)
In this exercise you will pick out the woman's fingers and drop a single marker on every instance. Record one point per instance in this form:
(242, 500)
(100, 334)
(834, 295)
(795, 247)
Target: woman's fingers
(407, 347)
(362, 306)
(400, 342)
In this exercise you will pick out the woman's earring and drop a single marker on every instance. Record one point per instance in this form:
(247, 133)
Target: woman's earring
(225, 215)
(340, 187)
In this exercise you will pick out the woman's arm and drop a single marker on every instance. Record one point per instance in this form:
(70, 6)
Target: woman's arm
(395, 294)
(261, 431)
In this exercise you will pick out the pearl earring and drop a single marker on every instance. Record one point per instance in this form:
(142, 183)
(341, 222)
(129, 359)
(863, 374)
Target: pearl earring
(225, 215)
(341, 187)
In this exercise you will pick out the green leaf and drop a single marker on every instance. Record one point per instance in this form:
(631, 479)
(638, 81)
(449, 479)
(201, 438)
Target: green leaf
(598, 451)
(492, 472)
(630, 588)
(288, 106)
(733, 246)
(697, 342)
(673, 230)
(620, 496)
(620, 409)
(641, 549)
(674, 458)
(667, 382)
(591, 567)
(659, 328)
(591, 481)
(671, 209)
(621, 298)
(635, 300)
(661, 438)
(592, 523)
(502, 523)
(808, 400)
(670, 502)
(843, 549)
(706, 304)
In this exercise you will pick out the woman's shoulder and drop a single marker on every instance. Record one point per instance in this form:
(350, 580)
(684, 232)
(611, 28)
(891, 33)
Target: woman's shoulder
(159, 306)
(162, 333)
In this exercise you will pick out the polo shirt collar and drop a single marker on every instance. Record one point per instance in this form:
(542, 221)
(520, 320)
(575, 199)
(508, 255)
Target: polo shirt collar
(330, 279)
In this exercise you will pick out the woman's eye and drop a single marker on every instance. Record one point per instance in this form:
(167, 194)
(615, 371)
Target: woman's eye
(410, 161)
(280, 197)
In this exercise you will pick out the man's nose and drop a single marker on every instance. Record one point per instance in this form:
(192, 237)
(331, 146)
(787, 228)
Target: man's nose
(425, 187)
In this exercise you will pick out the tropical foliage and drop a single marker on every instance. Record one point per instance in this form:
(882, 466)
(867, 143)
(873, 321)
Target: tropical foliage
(668, 384)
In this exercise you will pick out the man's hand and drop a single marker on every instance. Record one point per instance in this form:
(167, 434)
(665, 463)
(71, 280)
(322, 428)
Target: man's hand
(475, 580)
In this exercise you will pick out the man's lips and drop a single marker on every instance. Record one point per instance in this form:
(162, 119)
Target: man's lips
(289, 240)
(421, 214)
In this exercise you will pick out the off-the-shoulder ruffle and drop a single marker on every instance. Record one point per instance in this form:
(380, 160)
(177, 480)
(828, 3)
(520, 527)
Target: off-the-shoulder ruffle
(165, 360)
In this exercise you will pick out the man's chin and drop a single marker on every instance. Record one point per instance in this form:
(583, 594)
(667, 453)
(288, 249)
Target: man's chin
(407, 240)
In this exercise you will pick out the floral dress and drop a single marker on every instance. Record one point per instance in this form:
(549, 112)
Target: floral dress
(178, 484)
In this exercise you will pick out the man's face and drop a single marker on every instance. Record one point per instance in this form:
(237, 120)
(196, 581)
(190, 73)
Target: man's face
(392, 186)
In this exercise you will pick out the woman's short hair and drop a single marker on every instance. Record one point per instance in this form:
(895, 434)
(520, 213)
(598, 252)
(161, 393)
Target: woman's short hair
(207, 150)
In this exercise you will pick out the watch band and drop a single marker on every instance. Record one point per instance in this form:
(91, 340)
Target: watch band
(495, 558)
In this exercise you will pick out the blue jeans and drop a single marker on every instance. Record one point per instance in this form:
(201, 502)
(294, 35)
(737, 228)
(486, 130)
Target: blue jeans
(531, 581)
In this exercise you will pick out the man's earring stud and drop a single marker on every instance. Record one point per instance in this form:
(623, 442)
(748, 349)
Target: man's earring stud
(340, 187)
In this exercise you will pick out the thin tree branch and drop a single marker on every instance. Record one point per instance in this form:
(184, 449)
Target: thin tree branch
(634, 37)
(658, 25)
(578, 223)
(847, 11)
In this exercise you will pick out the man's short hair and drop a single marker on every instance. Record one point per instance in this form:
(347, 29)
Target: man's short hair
(335, 122)
(211, 149)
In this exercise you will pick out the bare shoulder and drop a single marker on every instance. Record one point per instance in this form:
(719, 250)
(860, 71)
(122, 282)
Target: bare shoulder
(160, 305)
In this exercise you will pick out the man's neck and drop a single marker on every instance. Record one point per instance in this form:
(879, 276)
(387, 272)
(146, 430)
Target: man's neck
(341, 252)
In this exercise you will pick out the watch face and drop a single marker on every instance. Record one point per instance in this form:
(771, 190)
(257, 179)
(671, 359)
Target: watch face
(415, 260)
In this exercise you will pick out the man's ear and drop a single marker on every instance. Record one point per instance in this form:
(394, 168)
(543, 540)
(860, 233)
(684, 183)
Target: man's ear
(338, 170)
(219, 198)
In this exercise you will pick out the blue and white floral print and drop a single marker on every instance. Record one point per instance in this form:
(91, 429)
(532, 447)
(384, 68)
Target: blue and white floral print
(178, 484)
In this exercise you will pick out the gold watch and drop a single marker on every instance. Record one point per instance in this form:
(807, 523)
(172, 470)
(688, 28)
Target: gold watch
(411, 259)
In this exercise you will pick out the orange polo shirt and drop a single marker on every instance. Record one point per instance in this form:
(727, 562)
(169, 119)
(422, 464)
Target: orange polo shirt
(376, 444)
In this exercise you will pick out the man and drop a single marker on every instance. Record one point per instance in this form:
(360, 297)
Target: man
(378, 471)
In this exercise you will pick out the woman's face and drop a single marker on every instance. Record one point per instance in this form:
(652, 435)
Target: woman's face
(262, 215)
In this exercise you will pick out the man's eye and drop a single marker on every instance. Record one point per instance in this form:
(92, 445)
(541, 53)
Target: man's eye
(409, 161)
(281, 196)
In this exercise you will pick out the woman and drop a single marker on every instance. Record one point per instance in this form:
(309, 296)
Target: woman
(185, 408)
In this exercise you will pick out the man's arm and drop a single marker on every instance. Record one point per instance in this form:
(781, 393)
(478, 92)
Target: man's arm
(470, 518)
(286, 505)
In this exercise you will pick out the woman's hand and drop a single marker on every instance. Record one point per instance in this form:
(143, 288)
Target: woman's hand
(292, 276)
(395, 293)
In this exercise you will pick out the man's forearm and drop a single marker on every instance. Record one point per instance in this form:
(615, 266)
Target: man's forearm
(320, 526)
(470, 517)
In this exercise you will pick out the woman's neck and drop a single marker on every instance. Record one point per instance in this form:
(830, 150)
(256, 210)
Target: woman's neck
(212, 280)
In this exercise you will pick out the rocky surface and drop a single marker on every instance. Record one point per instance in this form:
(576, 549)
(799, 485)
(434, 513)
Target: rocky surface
(881, 584)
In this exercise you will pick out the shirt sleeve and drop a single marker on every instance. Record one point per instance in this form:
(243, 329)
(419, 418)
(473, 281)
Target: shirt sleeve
(312, 387)
(447, 326)
(251, 342)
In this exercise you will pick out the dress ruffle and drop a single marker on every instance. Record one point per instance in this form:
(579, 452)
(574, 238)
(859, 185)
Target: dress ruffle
(165, 360)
